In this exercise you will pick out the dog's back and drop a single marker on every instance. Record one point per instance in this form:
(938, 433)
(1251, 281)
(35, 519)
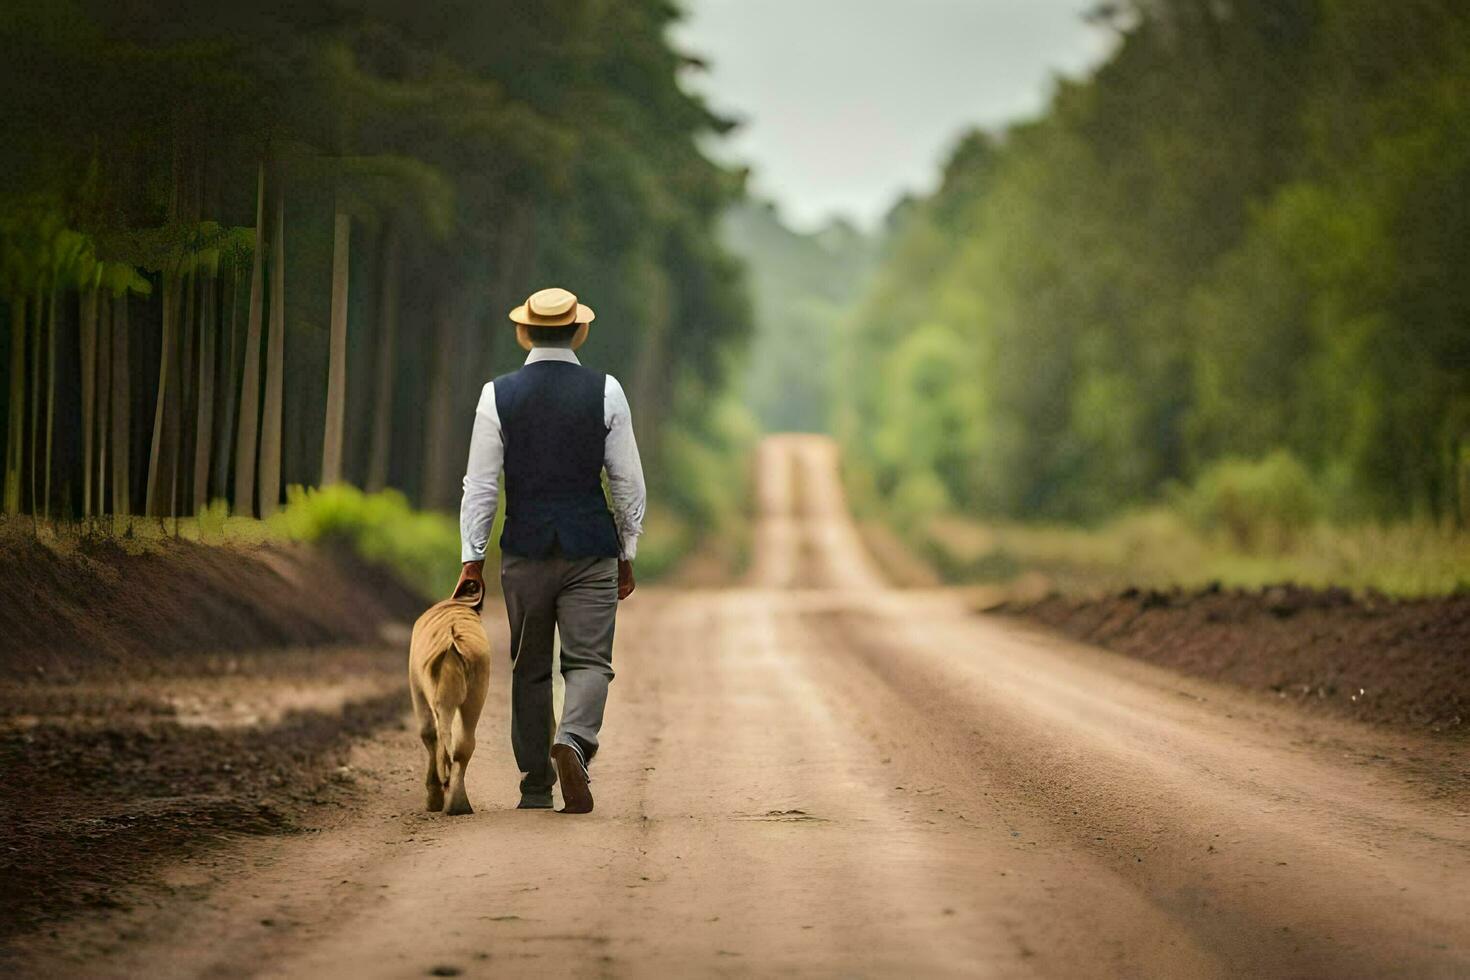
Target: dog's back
(448, 676)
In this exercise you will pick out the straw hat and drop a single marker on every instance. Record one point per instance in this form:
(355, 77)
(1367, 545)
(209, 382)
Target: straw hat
(552, 307)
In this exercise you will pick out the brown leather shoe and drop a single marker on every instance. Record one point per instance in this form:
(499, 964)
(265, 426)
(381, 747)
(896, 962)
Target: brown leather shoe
(575, 793)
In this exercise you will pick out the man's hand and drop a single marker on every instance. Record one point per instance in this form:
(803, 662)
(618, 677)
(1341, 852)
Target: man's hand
(473, 571)
(626, 585)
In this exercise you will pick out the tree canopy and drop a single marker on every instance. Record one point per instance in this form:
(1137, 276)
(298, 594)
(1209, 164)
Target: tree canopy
(1247, 231)
(206, 159)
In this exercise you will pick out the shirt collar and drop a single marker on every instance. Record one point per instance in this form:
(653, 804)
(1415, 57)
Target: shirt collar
(552, 354)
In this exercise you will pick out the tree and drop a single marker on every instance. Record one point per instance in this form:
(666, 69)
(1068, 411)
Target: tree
(121, 408)
(246, 441)
(88, 330)
(275, 350)
(204, 413)
(387, 339)
(337, 358)
(483, 146)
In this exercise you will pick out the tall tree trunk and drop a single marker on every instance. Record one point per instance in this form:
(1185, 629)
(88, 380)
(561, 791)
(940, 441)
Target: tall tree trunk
(651, 387)
(516, 248)
(229, 342)
(158, 482)
(15, 438)
(50, 403)
(204, 413)
(245, 444)
(337, 355)
(102, 358)
(436, 494)
(275, 364)
(182, 427)
(377, 474)
(88, 328)
(36, 358)
(122, 495)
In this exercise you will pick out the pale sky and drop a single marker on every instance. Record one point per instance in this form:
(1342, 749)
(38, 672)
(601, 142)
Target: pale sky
(847, 104)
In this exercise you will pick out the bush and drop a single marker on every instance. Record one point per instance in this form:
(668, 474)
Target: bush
(666, 540)
(1260, 504)
(705, 468)
(212, 520)
(919, 495)
(421, 547)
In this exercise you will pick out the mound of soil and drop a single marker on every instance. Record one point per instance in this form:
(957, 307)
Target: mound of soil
(1396, 662)
(104, 780)
(154, 702)
(99, 608)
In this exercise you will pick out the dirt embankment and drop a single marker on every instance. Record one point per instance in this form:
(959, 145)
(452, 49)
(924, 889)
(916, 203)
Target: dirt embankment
(103, 609)
(153, 704)
(1396, 662)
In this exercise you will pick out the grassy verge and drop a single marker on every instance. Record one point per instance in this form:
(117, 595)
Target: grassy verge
(421, 548)
(1158, 548)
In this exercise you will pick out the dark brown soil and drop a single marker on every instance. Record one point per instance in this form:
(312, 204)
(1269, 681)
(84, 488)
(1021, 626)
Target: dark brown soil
(110, 782)
(99, 609)
(1394, 662)
(153, 704)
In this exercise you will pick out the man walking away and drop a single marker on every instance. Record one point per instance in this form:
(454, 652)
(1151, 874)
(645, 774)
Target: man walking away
(552, 427)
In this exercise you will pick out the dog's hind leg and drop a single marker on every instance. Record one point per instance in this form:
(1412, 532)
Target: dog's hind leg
(455, 743)
(464, 748)
(423, 712)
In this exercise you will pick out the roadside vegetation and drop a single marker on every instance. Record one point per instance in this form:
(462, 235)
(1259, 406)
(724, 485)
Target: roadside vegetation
(418, 547)
(1158, 549)
(1242, 524)
(275, 247)
(422, 547)
(1210, 305)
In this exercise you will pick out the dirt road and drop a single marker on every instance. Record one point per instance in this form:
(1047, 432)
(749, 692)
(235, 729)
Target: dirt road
(813, 774)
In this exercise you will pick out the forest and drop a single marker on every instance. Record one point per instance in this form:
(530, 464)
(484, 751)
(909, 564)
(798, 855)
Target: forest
(255, 245)
(802, 284)
(1235, 255)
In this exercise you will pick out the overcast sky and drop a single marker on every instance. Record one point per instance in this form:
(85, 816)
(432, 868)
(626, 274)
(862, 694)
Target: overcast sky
(849, 103)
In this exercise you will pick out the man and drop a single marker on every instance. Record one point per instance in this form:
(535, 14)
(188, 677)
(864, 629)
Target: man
(566, 561)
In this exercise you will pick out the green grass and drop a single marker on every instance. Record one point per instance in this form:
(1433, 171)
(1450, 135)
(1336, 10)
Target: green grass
(1160, 548)
(420, 547)
(137, 534)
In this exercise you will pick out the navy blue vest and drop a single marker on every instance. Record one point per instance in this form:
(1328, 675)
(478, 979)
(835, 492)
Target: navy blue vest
(551, 415)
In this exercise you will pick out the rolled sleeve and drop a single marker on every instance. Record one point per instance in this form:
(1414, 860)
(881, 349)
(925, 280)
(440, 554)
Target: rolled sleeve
(481, 478)
(624, 468)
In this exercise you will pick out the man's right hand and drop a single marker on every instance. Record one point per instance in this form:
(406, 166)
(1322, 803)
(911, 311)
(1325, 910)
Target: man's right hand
(473, 571)
(625, 579)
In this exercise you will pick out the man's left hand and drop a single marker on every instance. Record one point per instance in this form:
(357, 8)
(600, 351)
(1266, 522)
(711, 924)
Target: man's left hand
(626, 585)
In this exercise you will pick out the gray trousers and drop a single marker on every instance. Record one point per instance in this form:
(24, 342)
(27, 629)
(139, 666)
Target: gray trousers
(577, 598)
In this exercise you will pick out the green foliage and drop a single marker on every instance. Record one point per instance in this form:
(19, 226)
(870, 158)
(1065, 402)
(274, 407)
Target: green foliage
(1246, 232)
(421, 547)
(667, 540)
(1260, 504)
(704, 476)
(1159, 548)
(481, 148)
(212, 521)
(803, 285)
(700, 491)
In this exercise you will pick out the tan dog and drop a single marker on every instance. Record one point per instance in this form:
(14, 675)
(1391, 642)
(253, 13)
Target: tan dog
(448, 675)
